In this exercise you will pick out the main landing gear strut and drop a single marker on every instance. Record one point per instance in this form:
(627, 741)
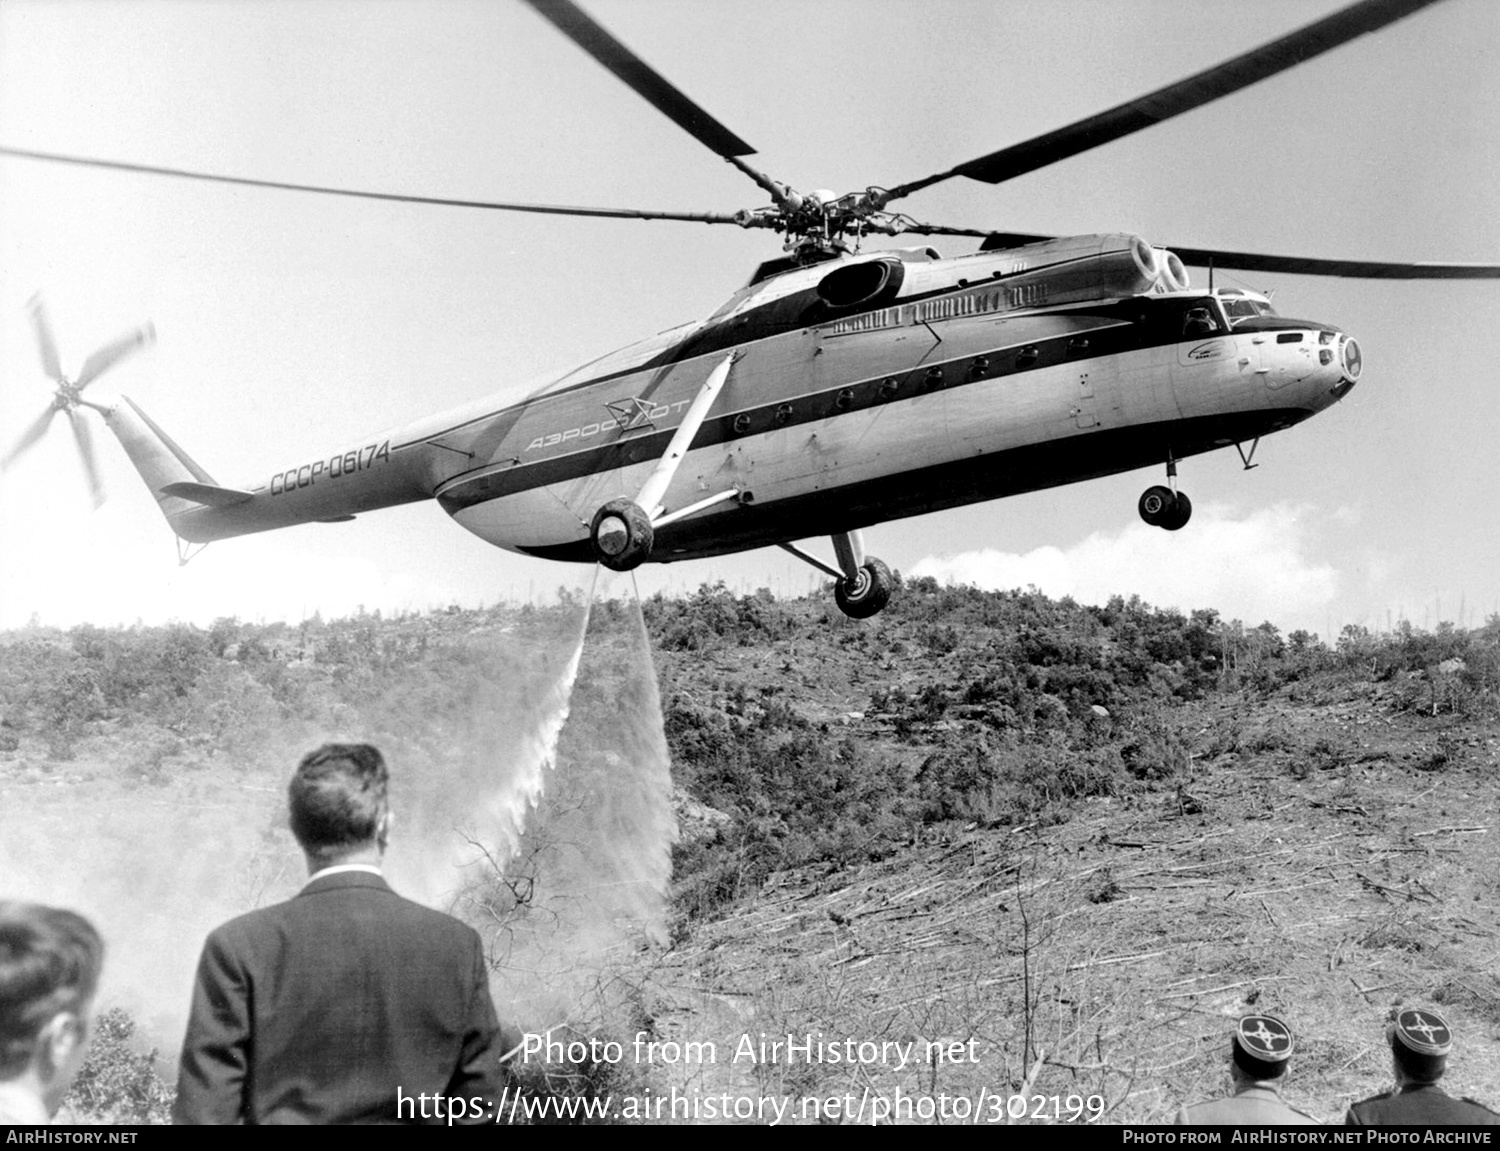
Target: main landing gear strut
(624, 530)
(864, 582)
(1166, 507)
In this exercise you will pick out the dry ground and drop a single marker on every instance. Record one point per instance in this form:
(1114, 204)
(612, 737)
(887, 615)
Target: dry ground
(1119, 946)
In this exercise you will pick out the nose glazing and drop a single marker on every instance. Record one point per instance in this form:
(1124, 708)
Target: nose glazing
(1351, 364)
(1354, 362)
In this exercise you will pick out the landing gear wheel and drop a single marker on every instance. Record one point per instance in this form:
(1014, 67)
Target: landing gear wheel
(1180, 513)
(1156, 505)
(866, 595)
(621, 535)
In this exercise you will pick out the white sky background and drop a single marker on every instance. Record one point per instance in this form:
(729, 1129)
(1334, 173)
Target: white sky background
(290, 324)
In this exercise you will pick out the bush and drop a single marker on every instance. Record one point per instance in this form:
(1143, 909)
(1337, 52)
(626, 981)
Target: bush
(118, 1083)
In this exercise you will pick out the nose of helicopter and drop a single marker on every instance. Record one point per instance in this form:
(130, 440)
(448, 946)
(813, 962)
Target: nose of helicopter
(1309, 365)
(1344, 351)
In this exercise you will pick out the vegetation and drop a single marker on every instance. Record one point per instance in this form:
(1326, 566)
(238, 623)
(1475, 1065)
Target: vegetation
(821, 739)
(119, 1083)
(811, 740)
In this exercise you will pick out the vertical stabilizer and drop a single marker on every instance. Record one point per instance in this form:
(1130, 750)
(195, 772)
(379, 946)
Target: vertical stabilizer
(156, 456)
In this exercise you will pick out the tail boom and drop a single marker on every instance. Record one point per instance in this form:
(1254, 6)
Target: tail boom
(201, 510)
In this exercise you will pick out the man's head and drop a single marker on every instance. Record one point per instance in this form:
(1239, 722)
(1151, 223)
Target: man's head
(49, 968)
(1261, 1048)
(1420, 1040)
(337, 801)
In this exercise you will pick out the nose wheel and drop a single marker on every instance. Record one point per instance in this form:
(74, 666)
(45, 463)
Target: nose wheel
(1163, 508)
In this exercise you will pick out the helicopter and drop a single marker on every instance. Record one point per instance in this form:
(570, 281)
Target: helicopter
(841, 387)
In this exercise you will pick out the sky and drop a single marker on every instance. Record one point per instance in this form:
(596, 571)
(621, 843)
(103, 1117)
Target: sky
(287, 322)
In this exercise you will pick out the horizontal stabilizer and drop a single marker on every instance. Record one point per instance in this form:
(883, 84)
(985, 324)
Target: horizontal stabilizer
(336, 520)
(209, 494)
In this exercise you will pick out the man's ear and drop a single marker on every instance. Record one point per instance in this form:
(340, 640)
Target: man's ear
(59, 1041)
(383, 828)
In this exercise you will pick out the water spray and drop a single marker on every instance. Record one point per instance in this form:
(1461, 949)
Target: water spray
(510, 807)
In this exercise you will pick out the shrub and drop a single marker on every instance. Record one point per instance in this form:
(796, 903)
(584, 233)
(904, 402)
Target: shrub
(118, 1083)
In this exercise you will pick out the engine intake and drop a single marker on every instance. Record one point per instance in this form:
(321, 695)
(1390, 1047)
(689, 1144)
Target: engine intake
(862, 284)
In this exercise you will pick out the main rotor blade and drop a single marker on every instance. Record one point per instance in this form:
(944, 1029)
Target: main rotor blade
(30, 436)
(915, 228)
(578, 26)
(1292, 265)
(45, 343)
(245, 181)
(85, 440)
(1354, 269)
(112, 353)
(1175, 99)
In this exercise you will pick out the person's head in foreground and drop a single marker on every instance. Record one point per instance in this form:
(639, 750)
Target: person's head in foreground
(1260, 1050)
(1420, 1041)
(338, 806)
(49, 969)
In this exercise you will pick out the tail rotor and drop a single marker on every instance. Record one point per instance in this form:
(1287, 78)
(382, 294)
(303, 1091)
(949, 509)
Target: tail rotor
(68, 395)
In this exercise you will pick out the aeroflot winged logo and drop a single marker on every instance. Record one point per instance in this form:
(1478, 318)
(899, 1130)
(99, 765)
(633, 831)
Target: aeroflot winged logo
(1209, 351)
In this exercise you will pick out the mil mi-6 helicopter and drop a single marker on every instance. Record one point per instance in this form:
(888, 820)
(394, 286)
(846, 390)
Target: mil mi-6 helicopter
(840, 387)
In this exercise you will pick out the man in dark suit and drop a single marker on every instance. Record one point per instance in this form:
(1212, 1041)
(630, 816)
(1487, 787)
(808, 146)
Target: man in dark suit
(1421, 1041)
(347, 1003)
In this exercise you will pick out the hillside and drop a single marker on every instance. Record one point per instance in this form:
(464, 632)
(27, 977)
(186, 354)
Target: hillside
(1320, 860)
(1070, 843)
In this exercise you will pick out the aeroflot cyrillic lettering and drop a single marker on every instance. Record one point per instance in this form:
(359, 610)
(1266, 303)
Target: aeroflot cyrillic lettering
(333, 467)
(587, 430)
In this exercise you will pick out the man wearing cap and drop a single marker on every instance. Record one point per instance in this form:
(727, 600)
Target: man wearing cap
(1420, 1040)
(1259, 1053)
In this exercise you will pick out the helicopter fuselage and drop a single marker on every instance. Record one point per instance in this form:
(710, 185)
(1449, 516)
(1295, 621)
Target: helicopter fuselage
(862, 389)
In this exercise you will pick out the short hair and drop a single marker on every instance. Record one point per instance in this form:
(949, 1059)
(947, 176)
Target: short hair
(49, 962)
(1420, 1040)
(1258, 1069)
(1417, 1067)
(337, 797)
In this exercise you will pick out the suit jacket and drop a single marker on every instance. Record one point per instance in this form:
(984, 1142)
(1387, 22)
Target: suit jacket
(321, 1009)
(1254, 1106)
(1421, 1105)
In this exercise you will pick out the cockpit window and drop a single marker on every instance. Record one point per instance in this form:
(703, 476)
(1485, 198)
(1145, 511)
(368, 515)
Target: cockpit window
(1240, 308)
(1201, 320)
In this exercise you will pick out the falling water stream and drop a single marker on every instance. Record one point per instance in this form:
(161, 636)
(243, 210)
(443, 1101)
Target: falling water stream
(530, 784)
